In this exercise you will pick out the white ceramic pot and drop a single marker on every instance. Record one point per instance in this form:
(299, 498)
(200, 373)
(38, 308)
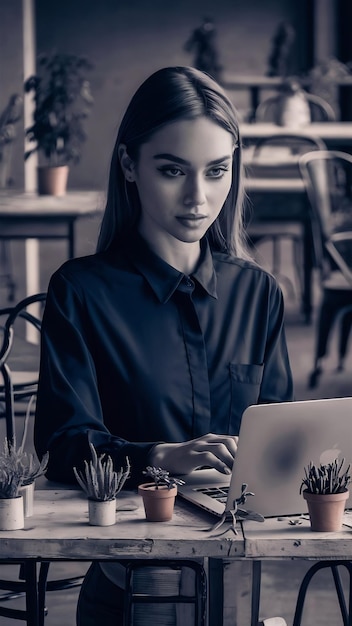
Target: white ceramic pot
(102, 513)
(11, 513)
(27, 491)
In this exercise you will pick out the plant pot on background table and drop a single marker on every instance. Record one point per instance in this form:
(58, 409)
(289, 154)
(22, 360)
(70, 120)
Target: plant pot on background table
(159, 495)
(324, 488)
(101, 483)
(16, 469)
(62, 100)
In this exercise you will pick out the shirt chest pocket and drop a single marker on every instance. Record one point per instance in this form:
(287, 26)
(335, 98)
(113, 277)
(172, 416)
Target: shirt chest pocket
(245, 383)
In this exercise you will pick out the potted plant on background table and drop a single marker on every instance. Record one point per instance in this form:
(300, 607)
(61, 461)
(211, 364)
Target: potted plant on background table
(18, 470)
(324, 487)
(101, 483)
(62, 101)
(159, 495)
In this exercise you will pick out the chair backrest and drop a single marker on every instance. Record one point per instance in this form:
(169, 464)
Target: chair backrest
(278, 155)
(328, 178)
(15, 352)
(320, 110)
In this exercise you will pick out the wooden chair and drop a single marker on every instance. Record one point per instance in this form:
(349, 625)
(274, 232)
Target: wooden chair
(328, 179)
(19, 387)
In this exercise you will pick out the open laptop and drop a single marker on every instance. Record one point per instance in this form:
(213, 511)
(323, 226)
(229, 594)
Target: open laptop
(276, 442)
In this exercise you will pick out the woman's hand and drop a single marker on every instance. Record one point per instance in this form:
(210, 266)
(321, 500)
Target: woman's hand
(210, 450)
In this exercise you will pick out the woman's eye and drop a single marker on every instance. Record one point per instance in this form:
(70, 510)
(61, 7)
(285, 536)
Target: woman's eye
(171, 171)
(217, 172)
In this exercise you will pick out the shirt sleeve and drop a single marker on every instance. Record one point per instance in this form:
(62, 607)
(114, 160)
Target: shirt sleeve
(69, 413)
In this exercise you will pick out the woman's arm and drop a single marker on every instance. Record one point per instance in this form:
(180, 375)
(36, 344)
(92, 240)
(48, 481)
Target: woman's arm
(69, 412)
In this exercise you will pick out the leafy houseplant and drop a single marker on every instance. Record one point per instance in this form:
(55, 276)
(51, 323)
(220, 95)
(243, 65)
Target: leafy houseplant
(62, 101)
(324, 487)
(101, 483)
(159, 495)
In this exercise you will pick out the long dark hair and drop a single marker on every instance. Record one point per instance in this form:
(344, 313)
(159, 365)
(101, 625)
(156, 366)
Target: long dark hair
(168, 95)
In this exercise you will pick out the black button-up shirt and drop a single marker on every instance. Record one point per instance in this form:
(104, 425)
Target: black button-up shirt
(135, 352)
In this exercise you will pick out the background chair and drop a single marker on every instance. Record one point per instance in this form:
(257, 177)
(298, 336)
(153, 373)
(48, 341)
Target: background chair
(277, 157)
(320, 110)
(328, 179)
(17, 391)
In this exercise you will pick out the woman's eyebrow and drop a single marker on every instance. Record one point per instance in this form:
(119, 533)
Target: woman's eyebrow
(172, 157)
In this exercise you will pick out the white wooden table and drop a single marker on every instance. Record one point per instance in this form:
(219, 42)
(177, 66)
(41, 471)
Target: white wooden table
(59, 530)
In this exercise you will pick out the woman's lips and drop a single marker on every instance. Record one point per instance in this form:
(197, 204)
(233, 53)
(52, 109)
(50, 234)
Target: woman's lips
(192, 221)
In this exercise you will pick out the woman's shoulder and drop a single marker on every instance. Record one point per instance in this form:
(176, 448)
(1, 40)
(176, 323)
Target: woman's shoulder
(224, 262)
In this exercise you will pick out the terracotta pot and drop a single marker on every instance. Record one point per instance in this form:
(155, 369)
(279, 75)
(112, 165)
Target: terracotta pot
(27, 491)
(11, 513)
(158, 503)
(52, 180)
(326, 510)
(102, 513)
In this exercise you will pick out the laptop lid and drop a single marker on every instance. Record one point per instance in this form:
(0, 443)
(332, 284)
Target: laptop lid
(276, 442)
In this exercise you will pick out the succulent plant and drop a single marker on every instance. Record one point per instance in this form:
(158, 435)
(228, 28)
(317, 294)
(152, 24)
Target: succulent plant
(99, 479)
(161, 477)
(18, 468)
(328, 478)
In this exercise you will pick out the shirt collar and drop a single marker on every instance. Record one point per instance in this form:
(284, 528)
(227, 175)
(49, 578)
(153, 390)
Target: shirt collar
(165, 279)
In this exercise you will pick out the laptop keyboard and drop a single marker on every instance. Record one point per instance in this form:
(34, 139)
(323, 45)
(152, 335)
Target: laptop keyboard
(218, 493)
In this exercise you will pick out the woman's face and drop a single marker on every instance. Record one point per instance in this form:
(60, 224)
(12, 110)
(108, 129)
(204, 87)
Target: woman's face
(183, 176)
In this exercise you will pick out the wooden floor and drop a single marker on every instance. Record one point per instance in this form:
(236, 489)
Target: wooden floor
(280, 582)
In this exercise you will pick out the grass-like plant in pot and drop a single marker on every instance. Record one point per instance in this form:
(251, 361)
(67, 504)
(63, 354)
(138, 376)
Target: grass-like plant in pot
(62, 102)
(159, 495)
(18, 469)
(325, 488)
(102, 483)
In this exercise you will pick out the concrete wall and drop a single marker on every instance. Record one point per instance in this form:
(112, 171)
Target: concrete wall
(128, 39)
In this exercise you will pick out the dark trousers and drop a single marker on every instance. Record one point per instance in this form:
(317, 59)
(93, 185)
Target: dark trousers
(100, 602)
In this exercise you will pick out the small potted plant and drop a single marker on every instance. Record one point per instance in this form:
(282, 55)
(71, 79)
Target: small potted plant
(159, 495)
(18, 471)
(101, 483)
(62, 101)
(324, 487)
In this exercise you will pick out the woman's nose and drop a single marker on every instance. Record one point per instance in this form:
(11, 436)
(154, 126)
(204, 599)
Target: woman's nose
(194, 192)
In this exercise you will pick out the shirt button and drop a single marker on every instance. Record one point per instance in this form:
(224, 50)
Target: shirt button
(189, 282)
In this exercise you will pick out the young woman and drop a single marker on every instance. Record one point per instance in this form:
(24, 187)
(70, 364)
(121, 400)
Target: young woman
(153, 347)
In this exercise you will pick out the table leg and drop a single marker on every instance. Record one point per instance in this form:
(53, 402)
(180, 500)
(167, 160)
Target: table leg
(32, 282)
(30, 570)
(230, 592)
(307, 273)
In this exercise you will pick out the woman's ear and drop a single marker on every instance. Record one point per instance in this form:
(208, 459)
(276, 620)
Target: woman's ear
(126, 162)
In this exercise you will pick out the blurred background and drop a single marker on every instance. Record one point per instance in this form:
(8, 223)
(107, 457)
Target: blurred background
(125, 40)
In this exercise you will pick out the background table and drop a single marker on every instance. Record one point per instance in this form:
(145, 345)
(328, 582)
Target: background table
(335, 134)
(24, 216)
(30, 217)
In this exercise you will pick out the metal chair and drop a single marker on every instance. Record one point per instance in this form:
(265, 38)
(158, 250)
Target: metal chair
(19, 388)
(346, 612)
(142, 591)
(328, 179)
(277, 157)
